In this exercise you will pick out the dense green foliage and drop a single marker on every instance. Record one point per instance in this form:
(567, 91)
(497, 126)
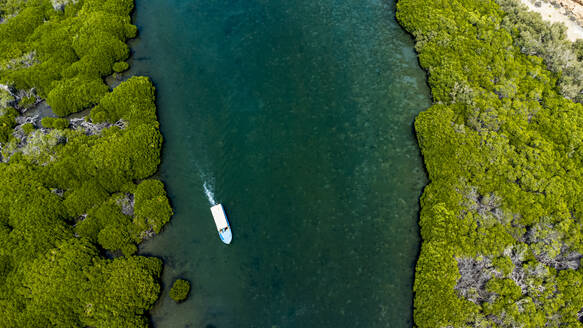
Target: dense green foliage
(6, 99)
(27, 102)
(180, 289)
(65, 202)
(120, 66)
(27, 128)
(55, 123)
(7, 123)
(152, 208)
(501, 217)
(533, 36)
(72, 95)
(9, 8)
(63, 54)
(75, 199)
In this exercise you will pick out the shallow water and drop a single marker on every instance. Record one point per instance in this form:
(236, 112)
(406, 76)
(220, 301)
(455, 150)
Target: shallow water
(296, 116)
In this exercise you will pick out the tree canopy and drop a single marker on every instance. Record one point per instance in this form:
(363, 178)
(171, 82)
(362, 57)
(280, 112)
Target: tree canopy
(501, 217)
(62, 52)
(76, 195)
(180, 289)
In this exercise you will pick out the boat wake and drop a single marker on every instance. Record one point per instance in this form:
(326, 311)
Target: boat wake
(207, 179)
(209, 194)
(207, 183)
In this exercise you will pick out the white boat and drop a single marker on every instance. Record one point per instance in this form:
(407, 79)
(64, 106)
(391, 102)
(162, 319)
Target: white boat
(222, 223)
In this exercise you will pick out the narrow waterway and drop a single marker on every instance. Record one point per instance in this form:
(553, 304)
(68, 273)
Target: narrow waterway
(297, 116)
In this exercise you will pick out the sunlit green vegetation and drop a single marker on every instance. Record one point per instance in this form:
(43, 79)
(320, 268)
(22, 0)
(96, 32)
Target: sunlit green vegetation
(533, 36)
(501, 219)
(55, 123)
(27, 128)
(27, 102)
(74, 203)
(64, 53)
(7, 123)
(120, 66)
(66, 203)
(180, 289)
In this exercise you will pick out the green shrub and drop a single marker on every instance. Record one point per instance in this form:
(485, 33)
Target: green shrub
(27, 102)
(179, 291)
(73, 95)
(152, 209)
(133, 100)
(55, 123)
(120, 66)
(28, 128)
(7, 123)
(131, 31)
(109, 227)
(80, 200)
(6, 98)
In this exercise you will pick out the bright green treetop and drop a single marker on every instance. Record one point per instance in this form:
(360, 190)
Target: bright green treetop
(180, 289)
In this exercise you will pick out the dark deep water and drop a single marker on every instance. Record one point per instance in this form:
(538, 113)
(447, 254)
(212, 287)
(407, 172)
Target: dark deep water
(297, 115)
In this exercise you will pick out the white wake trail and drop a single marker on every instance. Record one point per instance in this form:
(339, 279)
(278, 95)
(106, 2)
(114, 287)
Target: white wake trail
(209, 193)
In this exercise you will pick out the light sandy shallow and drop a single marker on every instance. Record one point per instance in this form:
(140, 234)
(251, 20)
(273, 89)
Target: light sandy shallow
(556, 15)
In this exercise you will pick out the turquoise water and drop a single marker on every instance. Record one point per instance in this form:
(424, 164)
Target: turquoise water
(297, 116)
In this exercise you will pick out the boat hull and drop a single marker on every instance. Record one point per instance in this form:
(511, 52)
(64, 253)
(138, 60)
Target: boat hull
(222, 223)
(226, 236)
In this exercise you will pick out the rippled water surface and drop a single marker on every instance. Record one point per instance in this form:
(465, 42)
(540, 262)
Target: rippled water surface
(297, 116)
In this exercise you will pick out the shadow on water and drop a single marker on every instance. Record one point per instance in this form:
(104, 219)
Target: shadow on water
(297, 117)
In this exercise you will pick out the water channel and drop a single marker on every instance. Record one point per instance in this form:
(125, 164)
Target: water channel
(296, 116)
